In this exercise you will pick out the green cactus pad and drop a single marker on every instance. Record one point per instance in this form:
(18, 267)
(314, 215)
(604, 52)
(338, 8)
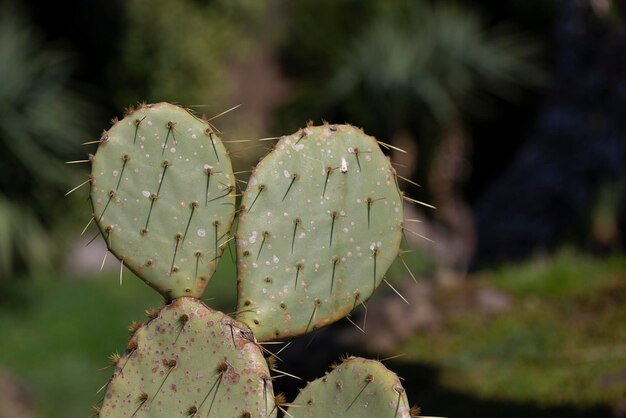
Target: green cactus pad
(357, 388)
(320, 223)
(190, 361)
(163, 196)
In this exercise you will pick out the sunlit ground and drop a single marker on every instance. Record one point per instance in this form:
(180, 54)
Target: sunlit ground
(562, 340)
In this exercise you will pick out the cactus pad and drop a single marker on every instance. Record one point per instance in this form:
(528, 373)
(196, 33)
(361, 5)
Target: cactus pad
(163, 197)
(357, 388)
(190, 361)
(320, 223)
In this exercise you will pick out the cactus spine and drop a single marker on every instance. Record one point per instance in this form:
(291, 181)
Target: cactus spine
(356, 388)
(320, 223)
(190, 361)
(163, 197)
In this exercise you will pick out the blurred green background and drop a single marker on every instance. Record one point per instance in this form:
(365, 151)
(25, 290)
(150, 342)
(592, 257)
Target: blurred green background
(512, 114)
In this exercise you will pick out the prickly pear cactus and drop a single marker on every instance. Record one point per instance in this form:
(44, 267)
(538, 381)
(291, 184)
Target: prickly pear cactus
(320, 223)
(190, 361)
(356, 388)
(163, 196)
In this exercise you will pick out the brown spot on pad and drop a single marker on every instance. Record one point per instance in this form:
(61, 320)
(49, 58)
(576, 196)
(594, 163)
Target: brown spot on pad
(335, 223)
(190, 366)
(147, 170)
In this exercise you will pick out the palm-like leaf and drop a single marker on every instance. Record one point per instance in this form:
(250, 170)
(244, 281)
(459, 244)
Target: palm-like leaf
(41, 123)
(438, 58)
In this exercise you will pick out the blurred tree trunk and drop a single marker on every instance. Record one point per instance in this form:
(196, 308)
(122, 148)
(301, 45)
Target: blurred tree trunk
(16, 400)
(451, 229)
(448, 174)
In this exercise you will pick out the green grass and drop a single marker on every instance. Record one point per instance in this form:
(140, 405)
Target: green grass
(563, 340)
(565, 274)
(57, 333)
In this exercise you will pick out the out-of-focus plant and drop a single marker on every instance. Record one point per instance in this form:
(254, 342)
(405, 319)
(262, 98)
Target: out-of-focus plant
(412, 69)
(423, 71)
(23, 238)
(41, 121)
(438, 61)
(180, 50)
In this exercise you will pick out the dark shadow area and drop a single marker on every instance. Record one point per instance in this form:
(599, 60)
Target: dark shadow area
(421, 384)
(14, 297)
(309, 358)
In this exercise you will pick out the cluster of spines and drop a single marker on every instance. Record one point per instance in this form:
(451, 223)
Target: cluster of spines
(367, 380)
(125, 170)
(206, 402)
(180, 238)
(370, 201)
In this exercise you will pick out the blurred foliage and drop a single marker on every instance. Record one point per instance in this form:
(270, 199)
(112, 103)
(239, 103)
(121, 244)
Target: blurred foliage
(180, 50)
(23, 239)
(41, 122)
(398, 65)
(63, 356)
(566, 274)
(435, 58)
(562, 339)
(65, 375)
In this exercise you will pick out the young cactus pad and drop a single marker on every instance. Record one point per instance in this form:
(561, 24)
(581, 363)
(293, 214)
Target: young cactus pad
(357, 388)
(163, 196)
(320, 223)
(190, 361)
